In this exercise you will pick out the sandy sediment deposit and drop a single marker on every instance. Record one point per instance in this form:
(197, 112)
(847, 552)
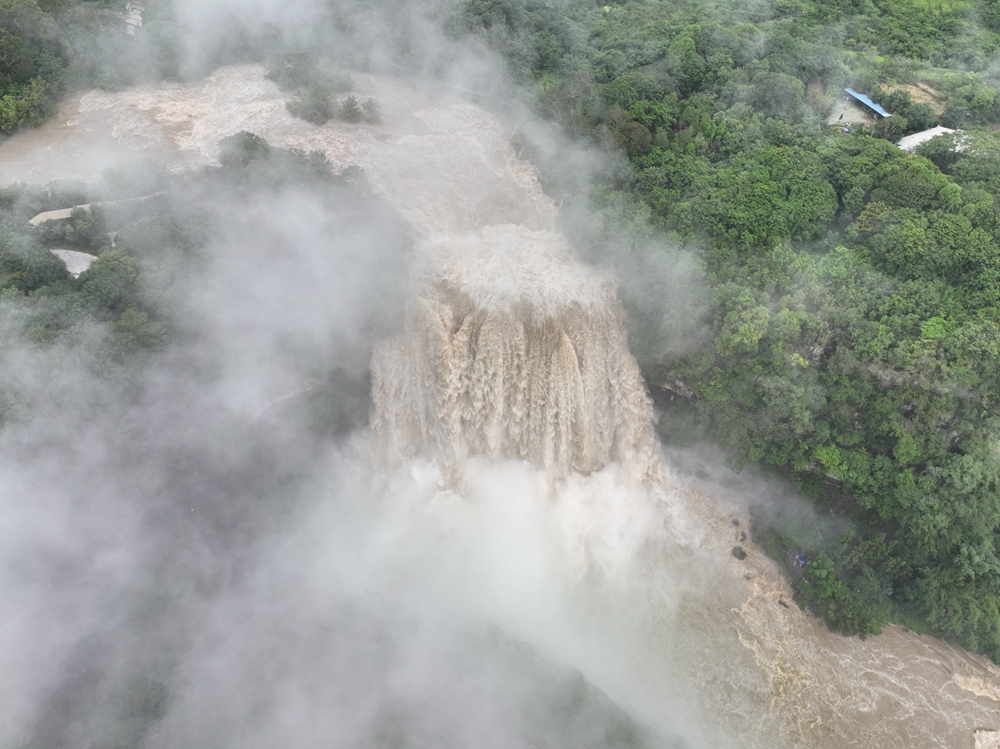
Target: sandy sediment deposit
(713, 632)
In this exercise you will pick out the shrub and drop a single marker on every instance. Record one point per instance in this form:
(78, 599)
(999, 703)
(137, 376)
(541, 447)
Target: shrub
(313, 106)
(371, 112)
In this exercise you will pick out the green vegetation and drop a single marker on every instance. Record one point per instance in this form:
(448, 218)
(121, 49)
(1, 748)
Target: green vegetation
(349, 109)
(371, 111)
(352, 110)
(50, 47)
(848, 336)
(33, 61)
(314, 81)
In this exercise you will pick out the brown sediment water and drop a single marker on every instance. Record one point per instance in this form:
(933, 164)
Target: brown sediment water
(897, 689)
(514, 351)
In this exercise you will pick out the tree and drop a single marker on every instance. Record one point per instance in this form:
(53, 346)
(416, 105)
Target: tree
(685, 64)
(110, 283)
(350, 110)
(941, 150)
(16, 66)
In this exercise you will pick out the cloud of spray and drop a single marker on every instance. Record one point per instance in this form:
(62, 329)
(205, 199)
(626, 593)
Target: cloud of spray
(129, 502)
(168, 585)
(183, 561)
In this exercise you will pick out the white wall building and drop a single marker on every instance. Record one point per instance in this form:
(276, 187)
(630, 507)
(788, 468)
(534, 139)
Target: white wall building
(910, 142)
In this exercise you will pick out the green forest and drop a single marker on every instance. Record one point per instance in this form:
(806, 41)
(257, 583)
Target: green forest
(850, 334)
(846, 328)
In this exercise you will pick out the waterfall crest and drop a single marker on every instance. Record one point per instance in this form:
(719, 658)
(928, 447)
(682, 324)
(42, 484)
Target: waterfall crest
(512, 349)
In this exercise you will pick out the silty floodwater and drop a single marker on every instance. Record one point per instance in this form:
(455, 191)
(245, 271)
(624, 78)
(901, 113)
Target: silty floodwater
(514, 351)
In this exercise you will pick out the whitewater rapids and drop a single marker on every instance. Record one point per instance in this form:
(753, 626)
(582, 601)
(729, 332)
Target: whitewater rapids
(514, 352)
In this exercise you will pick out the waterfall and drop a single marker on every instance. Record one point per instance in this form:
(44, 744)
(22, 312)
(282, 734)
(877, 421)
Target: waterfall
(512, 349)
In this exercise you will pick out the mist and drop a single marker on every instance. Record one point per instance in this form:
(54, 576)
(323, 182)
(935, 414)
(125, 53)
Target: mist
(186, 561)
(201, 545)
(196, 550)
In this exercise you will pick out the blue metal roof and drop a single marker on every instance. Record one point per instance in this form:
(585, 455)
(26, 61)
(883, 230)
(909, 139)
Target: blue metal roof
(868, 102)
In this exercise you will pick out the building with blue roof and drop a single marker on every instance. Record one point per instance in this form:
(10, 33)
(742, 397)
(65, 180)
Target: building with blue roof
(867, 103)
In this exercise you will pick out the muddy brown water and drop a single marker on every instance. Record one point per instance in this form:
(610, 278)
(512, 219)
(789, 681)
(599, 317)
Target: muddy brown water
(712, 634)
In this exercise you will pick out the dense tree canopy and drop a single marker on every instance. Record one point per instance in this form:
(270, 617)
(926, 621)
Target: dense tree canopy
(851, 332)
